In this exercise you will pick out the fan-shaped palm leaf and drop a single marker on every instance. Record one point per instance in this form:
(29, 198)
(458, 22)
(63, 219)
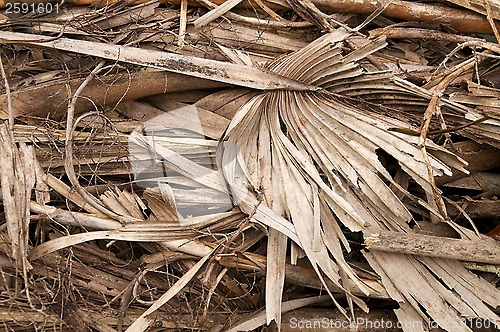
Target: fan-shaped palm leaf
(312, 159)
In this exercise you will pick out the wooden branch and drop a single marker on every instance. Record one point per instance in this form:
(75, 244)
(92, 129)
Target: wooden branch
(435, 246)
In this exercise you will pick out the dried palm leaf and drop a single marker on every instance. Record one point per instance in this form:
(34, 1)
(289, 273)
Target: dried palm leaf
(312, 159)
(258, 318)
(197, 67)
(147, 319)
(18, 178)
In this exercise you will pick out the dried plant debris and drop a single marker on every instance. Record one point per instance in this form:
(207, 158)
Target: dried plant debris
(218, 166)
(274, 143)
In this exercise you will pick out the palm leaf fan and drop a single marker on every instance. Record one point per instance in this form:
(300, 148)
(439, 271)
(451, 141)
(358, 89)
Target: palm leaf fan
(305, 163)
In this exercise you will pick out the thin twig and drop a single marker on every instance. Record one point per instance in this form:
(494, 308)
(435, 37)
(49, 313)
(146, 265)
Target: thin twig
(69, 164)
(434, 108)
(182, 23)
(471, 43)
(490, 19)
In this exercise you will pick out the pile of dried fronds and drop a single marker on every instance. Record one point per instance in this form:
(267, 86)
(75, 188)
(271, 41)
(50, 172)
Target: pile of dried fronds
(207, 166)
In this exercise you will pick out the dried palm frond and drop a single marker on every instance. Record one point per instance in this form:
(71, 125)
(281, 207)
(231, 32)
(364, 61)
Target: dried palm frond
(305, 163)
(193, 66)
(18, 178)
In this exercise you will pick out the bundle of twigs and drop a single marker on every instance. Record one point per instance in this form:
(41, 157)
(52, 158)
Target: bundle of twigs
(181, 168)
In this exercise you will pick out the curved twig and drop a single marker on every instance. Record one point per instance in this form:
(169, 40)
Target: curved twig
(68, 162)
